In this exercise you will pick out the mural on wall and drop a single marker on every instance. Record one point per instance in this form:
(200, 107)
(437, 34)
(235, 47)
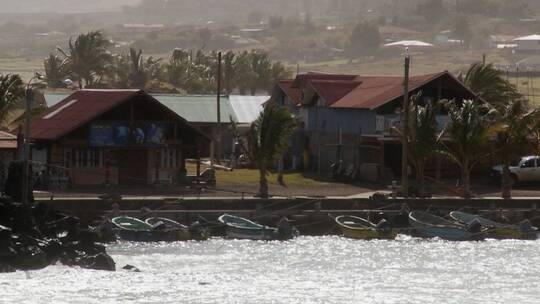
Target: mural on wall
(118, 134)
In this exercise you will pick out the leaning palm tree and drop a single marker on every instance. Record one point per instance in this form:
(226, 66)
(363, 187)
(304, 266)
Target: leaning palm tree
(422, 137)
(490, 84)
(11, 92)
(267, 140)
(468, 130)
(88, 57)
(56, 70)
(514, 124)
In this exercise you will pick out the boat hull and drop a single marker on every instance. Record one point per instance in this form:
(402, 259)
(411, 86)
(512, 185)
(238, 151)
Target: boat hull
(446, 233)
(369, 234)
(430, 226)
(511, 233)
(252, 234)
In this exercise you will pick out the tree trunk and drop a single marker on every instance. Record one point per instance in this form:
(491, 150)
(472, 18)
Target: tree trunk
(466, 175)
(263, 182)
(506, 186)
(420, 181)
(280, 172)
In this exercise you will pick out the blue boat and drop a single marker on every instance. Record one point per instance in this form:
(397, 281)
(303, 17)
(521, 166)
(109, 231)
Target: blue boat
(429, 226)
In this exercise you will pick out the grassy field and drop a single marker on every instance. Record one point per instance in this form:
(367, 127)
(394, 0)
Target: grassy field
(251, 176)
(22, 66)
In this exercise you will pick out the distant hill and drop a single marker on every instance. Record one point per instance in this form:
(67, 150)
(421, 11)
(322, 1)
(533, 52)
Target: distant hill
(62, 6)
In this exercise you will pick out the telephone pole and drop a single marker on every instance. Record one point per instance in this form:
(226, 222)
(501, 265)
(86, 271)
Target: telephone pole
(405, 129)
(218, 131)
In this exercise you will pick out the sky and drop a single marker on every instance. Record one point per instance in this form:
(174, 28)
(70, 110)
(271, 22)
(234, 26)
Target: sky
(62, 6)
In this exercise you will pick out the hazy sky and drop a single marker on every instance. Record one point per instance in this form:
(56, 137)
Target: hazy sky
(33, 6)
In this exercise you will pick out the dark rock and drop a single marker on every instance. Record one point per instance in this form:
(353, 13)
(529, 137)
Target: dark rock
(35, 236)
(131, 268)
(101, 261)
(4, 268)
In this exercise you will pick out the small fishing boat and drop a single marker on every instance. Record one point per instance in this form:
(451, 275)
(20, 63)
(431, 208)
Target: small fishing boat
(164, 224)
(362, 229)
(242, 228)
(428, 225)
(195, 231)
(524, 230)
(132, 229)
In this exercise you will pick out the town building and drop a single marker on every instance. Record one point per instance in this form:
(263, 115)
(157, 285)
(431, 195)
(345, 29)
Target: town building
(116, 137)
(529, 43)
(201, 112)
(352, 119)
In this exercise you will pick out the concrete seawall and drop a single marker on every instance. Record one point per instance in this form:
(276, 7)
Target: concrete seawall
(314, 214)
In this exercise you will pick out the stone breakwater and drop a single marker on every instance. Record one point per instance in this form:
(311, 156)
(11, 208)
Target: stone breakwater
(35, 236)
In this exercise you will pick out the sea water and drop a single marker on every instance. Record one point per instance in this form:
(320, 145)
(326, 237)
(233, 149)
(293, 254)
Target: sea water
(305, 270)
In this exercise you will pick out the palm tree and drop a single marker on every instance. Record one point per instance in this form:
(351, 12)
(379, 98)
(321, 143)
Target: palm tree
(468, 129)
(515, 122)
(267, 140)
(11, 91)
(88, 57)
(490, 84)
(229, 68)
(422, 137)
(56, 70)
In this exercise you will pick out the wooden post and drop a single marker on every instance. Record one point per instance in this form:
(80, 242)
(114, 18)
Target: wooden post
(405, 127)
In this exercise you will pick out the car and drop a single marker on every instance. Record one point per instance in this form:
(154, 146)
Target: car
(527, 170)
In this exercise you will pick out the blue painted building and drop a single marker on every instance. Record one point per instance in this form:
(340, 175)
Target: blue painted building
(350, 119)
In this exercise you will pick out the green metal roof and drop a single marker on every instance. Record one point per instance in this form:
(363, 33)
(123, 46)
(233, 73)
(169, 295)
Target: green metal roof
(198, 108)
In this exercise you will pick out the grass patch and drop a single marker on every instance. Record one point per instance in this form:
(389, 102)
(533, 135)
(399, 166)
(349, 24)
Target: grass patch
(251, 177)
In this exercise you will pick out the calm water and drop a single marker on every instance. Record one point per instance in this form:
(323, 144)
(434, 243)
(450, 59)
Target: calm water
(305, 270)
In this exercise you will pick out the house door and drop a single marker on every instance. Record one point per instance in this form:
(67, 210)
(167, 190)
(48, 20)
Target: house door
(132, 167)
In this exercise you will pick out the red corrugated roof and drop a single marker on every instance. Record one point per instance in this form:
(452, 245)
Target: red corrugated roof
(301, 79)
(294, 94)
(375, 91)
(358, 92)
(76, 110)
(7, 136)
(333, 90)
(8, 140)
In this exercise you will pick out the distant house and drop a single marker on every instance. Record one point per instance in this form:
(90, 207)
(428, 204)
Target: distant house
(528, 43)
(118, 137)
(352, 118)
(502, 42)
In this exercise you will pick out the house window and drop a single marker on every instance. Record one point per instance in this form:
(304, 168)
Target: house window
(86, 157)
(168, 158)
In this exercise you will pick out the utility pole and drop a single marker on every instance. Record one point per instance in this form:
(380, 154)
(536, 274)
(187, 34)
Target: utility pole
(405, 129)
(218, 131)
(26, 145)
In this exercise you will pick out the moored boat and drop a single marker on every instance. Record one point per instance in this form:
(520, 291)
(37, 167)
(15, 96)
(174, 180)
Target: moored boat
(428, 225)
(242, 228)
(132, 229)
(359, 228)
(524, 230)
(164, 224)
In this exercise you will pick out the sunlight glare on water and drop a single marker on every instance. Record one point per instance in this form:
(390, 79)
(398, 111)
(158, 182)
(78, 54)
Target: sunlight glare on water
(305, 270)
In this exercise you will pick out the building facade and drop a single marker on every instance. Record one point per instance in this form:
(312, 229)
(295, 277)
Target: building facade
(352, 119)
(116, 137)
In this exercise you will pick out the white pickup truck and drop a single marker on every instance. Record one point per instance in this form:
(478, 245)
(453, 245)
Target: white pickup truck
(527, 170)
